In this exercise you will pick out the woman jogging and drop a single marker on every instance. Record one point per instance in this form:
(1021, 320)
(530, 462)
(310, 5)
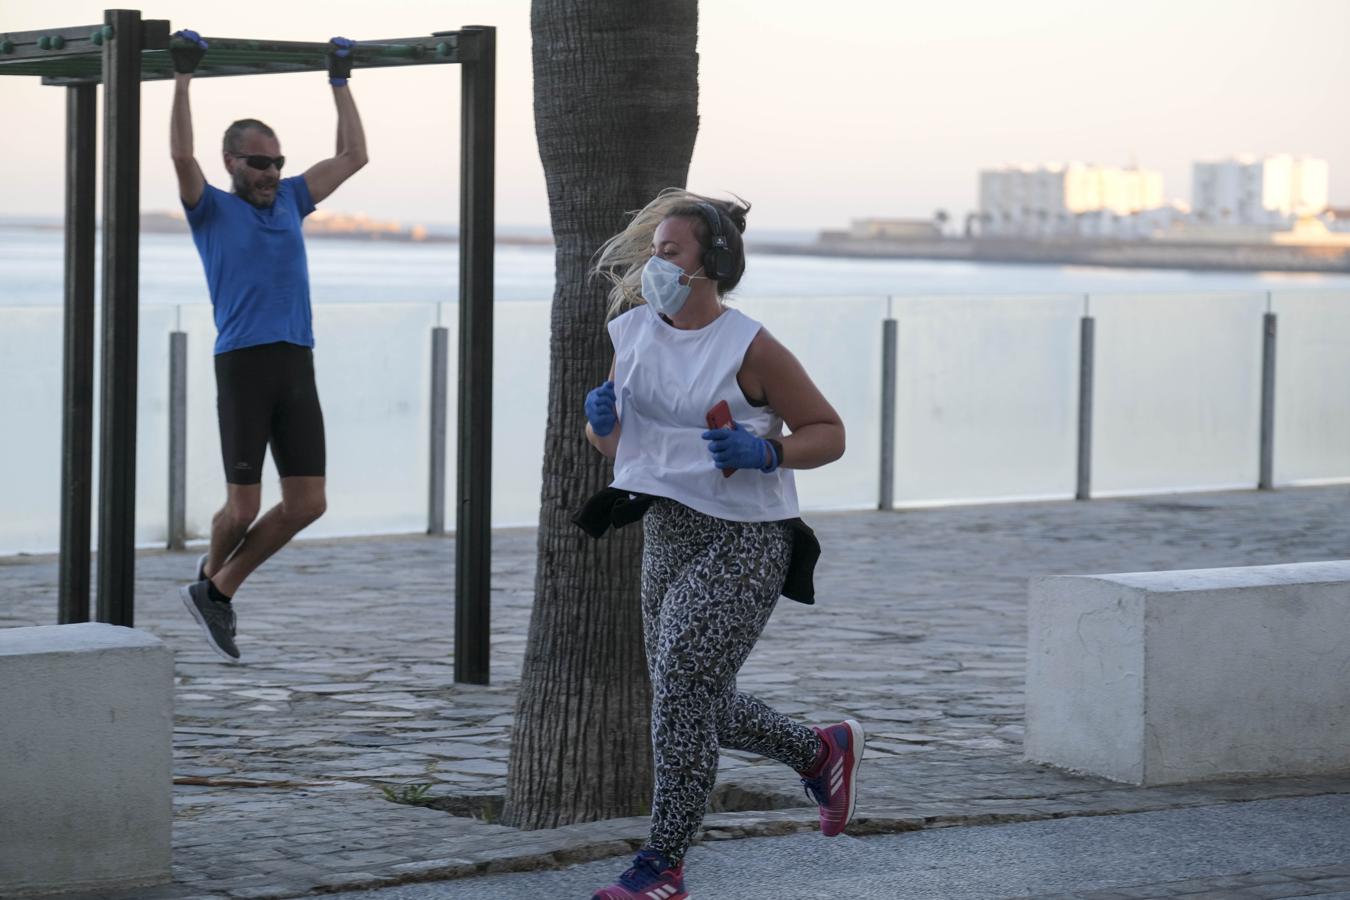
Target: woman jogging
(693, 415)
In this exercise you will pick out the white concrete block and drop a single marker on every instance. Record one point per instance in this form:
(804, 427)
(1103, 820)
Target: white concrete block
(86, 758)
(1166, 677)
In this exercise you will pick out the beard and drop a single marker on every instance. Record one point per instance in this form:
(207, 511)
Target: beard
(249, 192)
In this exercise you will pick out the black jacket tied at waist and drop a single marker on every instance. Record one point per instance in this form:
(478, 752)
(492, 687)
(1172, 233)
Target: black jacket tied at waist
(613, 507)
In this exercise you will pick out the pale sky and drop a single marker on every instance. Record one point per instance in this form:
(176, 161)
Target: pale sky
(815, 112)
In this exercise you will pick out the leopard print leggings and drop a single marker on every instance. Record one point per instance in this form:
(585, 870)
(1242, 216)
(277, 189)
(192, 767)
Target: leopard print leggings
(708, 588)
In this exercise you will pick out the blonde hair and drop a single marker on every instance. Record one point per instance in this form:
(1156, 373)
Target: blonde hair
(620, 259)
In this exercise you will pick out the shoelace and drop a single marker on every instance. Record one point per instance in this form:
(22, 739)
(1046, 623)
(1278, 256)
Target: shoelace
(815, 789)
(645, 871)
(227, 613)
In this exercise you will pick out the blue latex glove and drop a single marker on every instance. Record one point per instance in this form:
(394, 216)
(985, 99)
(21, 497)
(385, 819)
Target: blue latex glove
(736, 448)
(601, 410)
(340, 60)
(186, 57)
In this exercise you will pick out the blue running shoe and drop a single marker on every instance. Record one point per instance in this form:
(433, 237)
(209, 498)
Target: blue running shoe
(833, 783)
(651, 877)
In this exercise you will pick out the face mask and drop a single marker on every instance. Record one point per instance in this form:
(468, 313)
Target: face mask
(661, 286)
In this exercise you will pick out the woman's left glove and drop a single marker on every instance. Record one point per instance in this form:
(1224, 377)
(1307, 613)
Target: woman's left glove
(736, 448)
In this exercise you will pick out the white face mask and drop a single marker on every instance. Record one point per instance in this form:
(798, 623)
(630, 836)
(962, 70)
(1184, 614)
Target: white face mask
(661, 286)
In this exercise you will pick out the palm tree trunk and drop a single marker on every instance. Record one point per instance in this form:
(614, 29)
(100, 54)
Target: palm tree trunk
(616, 114)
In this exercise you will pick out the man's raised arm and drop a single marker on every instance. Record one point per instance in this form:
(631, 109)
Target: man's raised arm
(323, 177)
(186, 52)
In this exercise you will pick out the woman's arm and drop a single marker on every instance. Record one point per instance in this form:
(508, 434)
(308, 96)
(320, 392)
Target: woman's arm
(771, 373)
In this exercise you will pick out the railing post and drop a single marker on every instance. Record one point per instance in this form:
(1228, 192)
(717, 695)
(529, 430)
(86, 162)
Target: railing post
(1268, 332)
(177, 440)
(440, 365)
(1087, 345)
(886, 497)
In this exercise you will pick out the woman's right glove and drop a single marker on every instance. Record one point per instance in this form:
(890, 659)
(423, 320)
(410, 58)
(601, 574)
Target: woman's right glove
(601, 411)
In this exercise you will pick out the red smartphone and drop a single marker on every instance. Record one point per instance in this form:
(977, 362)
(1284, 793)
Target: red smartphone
(720, 417)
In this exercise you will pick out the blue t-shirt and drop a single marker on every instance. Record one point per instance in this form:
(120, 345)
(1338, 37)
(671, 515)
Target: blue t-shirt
(255, 265)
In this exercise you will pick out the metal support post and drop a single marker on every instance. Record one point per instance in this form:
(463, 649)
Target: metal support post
(77, 421)
(886, 498)
(440, 366)
(121, 241)
(473, 536)
(177, 440)
(1086, 358)
(1267, 479)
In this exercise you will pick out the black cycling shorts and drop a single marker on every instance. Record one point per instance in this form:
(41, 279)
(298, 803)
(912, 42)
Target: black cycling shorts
(266, 395)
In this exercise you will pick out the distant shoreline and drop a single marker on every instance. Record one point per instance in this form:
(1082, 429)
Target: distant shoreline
(1228, 257)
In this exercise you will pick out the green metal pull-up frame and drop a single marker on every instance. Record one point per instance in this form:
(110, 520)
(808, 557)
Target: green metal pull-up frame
(120, 53)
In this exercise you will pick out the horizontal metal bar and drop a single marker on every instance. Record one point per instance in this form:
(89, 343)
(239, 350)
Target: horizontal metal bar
(61, 44)
(366, 52)
(232, 56)
(26, 44)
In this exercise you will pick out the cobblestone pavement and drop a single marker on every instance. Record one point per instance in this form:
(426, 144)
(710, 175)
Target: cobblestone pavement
(919, 632)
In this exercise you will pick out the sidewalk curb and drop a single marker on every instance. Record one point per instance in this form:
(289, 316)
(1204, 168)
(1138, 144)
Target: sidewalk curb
(629, 834)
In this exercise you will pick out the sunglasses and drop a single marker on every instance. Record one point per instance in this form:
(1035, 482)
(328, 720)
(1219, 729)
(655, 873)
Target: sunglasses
(261, 163)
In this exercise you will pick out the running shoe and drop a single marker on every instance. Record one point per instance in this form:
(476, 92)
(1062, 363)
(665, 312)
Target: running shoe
(215, 618)
(833, 784)
(201, 567)
(651, 877)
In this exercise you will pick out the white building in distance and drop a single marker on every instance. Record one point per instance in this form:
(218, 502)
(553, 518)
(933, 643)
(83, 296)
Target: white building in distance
(1247, 190)
(1049, 199)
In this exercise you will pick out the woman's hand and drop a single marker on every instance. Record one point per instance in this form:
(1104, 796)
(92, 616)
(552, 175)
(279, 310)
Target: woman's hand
(736, 448)
(601, 411)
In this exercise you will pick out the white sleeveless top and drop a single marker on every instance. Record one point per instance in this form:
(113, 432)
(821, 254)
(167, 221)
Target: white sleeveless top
(665, 381)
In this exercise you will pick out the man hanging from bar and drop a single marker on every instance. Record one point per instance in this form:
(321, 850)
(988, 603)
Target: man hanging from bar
(253, 251)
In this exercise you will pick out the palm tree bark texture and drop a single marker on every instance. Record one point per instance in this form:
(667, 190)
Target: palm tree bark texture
(616, 114)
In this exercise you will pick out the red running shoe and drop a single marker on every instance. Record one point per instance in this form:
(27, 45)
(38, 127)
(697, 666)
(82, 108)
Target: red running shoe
(651, 877)
(833, 784)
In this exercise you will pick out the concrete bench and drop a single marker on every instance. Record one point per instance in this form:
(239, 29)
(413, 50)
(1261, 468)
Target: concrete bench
(1166, 677)
(86, 758)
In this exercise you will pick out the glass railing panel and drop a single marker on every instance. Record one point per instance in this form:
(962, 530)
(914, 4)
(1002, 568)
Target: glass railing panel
(205, 476)
(152, 425)
(31, 348)
(1312, 387)
(372, 364)
(1177, 404)
(987, 392)
(519, 411)
(30, 428)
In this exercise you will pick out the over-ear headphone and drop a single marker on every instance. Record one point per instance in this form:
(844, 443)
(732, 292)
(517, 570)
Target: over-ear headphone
(717, 258)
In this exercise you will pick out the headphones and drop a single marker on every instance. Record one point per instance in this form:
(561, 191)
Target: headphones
(717, 259)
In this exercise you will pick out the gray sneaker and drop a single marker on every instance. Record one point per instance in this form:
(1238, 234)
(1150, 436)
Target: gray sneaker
(201, 567)
(216, 619)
